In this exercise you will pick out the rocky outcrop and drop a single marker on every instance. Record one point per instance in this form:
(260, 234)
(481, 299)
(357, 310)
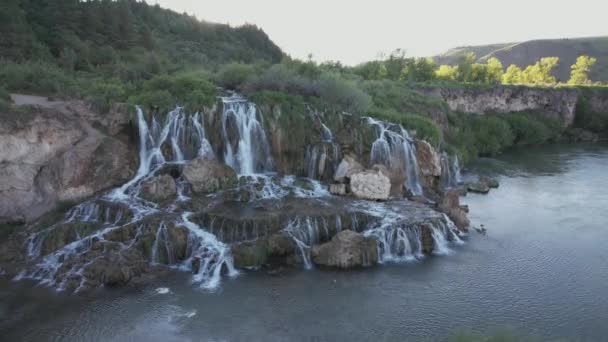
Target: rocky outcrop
(429, 162)
(347, 249)
(450, 205)
(557, 103)
(208, 175)
(59, 152)
(159, 189)
(370, 185)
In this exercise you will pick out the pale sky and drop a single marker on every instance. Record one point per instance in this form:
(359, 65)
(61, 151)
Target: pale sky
(355, 31)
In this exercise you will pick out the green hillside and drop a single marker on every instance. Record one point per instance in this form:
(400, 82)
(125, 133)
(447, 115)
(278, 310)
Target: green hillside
(527, 53)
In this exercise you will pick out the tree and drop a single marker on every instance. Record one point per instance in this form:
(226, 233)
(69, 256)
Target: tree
(494, 71)
(512, 75)
(419, 70)
(540, 73)
(580, 70)
(447, 72)
(465, 67)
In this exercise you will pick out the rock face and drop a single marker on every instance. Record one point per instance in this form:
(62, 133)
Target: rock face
(346, 249)
(370, 185)
(58, 152)
(429, 162)
(209, 175)
(450, 205)
(558, 103)
(159, 189)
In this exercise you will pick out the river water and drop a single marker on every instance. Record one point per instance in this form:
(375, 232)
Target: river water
(541, 271)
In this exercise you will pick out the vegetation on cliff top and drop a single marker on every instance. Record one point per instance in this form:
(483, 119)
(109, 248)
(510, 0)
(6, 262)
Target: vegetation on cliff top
(128, 51)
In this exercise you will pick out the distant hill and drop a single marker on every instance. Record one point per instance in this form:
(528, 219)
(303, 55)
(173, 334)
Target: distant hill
(526, 53)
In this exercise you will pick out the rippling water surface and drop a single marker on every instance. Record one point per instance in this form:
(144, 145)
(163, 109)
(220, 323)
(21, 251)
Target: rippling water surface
(542, 270)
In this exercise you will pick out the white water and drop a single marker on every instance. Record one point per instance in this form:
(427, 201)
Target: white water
(450, 171)
(185, 135)
(252, 152)
(394, 149)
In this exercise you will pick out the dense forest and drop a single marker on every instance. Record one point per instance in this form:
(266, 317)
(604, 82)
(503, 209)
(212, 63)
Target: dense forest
(128, 51)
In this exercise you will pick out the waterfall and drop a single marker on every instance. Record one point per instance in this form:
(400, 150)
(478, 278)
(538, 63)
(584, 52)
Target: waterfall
(172, 139)
(211, 254)
(327, 135)
(395, 149)
(322, 156)
(246, 147)
(450, 172)
(306, 232)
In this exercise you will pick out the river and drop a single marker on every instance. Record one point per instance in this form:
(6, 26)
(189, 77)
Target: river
(541, 271)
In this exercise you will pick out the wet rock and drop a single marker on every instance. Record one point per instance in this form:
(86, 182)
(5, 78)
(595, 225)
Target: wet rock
(346, 249)
(280, 245)
(371, 185)
(159, 189)
(478, 187)
(337, 189)
(209, 175)
(347, 167)
(491, 182)
(250, 253)
(450, 205)
(179, 241)
(196, 265)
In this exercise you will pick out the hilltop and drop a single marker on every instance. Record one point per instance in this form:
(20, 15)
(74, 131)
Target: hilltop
(527, 53)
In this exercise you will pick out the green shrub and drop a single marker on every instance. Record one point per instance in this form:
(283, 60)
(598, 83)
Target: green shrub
(233, 76)
(39, 78)
(532, 129)
(190, 90)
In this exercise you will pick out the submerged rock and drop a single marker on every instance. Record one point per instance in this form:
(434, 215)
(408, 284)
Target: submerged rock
(371, 185)
(159, 189)
(346, 249)
(337, 189)
(209, 175)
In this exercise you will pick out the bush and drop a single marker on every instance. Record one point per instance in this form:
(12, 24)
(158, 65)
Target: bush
(39, 78)
(532, 129)
(342, 93)
(233, 76)
(190, 90)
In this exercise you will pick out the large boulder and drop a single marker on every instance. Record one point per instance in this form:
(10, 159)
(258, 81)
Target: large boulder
(478, 187)
(209, 175)
(371, 185)
(450, 205)
(159, 189)
(347, 167)
(346, 249)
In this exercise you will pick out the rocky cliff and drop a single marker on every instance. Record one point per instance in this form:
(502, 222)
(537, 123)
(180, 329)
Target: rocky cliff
(55, 152)
(556, 102)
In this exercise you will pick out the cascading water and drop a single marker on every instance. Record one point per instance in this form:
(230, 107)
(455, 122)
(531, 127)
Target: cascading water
(174, 140)
(307, 232)
(395, 149)
(450, 172)
(246, 147)
(322, 156)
